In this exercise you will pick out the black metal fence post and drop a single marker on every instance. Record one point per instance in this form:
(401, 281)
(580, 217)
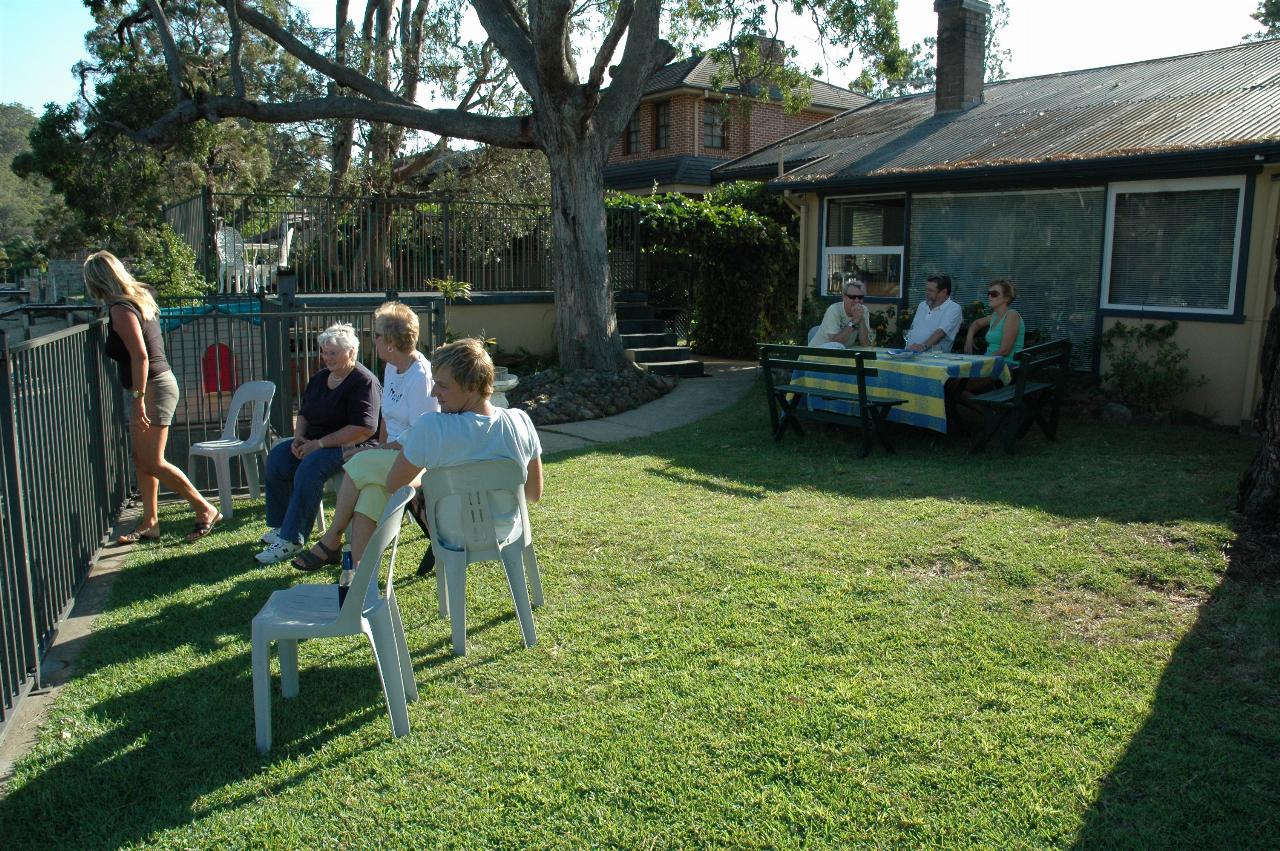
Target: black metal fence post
(21, 543)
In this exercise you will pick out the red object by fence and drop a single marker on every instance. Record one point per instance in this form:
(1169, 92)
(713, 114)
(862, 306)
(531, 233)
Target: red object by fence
(218, 369)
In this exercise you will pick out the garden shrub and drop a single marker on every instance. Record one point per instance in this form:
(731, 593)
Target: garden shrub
(740, 268)
(167, 263)
(1145, 367)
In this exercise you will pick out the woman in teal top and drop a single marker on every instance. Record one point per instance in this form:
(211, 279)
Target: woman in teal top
(1004, 326)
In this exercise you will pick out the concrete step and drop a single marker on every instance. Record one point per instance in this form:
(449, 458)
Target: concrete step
(631, 296)
(647, 341)
(641, 326)
(660, 353)
(632, 311)
(682, 368)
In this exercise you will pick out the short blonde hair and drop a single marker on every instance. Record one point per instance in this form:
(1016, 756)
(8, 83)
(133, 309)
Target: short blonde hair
(108, 281)
(1005, 286)
(398, 324)
(342, 335)
(468, 363)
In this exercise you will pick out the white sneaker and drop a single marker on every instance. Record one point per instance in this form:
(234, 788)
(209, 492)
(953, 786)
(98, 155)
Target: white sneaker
(271, 536)
(278, 552)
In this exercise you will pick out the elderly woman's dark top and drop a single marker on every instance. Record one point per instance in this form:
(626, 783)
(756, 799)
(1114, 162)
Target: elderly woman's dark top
(356, 401)
(119, 352)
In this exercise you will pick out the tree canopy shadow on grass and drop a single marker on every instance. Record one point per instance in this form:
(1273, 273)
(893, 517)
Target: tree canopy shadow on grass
(1204, 769)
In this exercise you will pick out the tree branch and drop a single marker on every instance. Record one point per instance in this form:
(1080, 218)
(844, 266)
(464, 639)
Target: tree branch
(342, 74)
(237, 73)
(504, 132)
(170, 48)
(644, 54)
(510, 32)
(420, 161)
(610, 44)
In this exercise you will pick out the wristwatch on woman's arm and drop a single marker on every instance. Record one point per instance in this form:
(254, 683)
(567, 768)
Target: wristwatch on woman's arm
(137, 394)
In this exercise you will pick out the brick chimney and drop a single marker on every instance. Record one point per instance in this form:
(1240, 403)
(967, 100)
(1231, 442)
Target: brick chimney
(962, 35)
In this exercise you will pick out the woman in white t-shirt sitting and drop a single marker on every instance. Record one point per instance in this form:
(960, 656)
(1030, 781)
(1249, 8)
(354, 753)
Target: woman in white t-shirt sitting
(406, 395)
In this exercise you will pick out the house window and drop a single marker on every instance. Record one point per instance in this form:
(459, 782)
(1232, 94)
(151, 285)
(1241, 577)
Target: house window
(631, 136)
(715, 127)
(864, 240)
(1173, 246)
(661, 125)
(1048, 242)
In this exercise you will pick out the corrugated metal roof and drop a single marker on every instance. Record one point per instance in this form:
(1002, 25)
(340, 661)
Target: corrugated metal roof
(1204, 100)
(697, 72)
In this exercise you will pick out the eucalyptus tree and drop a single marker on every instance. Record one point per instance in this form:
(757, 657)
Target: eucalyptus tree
(579, 70)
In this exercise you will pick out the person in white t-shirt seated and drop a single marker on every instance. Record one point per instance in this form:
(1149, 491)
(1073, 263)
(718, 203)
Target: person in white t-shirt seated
(847, 322)
(468, 428)
(937, 319)
(406, 395)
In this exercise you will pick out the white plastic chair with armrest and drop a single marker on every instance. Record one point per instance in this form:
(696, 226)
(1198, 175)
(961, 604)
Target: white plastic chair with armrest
(312, 611)
(476, 485)
(258, 395)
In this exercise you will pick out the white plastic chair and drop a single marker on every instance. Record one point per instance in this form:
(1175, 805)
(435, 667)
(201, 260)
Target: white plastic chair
(233, 269)
(312, 611)
(475, 485)
(257, 394)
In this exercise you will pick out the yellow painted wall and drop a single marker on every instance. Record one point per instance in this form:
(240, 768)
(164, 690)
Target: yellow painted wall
(1227, 353)
(531, 327)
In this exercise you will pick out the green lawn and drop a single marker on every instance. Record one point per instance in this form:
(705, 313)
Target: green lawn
(744, 645)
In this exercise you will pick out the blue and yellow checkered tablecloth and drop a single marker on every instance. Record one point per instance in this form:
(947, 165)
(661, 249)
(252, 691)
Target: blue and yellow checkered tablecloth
(920, 380)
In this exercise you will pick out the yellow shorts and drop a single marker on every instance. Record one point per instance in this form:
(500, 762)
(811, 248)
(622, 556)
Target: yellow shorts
(368, 471)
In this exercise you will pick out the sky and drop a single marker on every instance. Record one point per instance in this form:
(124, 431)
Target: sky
(41, 39)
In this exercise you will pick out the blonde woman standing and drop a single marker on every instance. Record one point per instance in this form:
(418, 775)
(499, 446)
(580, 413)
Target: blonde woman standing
(151, 393)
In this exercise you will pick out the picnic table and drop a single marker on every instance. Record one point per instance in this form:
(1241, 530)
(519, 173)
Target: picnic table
(919, 379)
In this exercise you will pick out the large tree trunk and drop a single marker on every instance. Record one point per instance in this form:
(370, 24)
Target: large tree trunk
(586, 330)
(1259, 495)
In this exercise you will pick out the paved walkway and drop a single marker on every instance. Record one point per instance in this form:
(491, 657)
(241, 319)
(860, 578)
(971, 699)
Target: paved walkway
(693, 399)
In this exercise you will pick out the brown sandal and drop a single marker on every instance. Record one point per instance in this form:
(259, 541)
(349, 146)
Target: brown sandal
(138, 535)
(308, 560)
(202, 528)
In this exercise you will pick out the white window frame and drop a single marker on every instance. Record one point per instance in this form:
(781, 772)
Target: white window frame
(1190, 184)
(873, 250)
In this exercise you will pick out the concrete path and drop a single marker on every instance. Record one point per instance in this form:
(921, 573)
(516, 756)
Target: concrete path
(694, 398)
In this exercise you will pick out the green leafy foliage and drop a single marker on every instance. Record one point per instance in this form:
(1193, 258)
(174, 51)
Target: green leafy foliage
(739, 267)
(168, 264)
(1146, 368)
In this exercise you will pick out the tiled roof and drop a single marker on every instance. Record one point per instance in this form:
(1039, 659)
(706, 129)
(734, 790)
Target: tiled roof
(1202, 101)
(642, 174)
(697, 71)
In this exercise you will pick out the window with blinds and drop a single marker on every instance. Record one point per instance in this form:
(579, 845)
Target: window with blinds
(864, 242)
(1049, 243)
(1173, 245)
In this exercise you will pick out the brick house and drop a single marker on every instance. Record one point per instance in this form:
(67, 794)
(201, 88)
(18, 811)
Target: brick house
(681, 129)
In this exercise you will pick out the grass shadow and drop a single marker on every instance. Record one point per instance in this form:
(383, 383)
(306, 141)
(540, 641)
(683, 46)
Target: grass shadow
(1203, 769)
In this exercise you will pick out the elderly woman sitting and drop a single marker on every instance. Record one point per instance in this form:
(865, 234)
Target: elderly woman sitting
(406, 395)
(340, 409)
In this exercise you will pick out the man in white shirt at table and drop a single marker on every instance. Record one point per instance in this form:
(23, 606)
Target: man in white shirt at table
(847, 322)
(937, 319)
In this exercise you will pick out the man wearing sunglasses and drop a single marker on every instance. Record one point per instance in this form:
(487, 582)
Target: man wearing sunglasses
(937, 318)
(846, 323)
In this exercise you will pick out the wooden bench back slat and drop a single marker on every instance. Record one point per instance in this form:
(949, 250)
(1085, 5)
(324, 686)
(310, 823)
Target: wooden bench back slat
(811, 366)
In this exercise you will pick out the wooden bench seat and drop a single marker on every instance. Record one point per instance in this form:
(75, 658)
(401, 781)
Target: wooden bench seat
(787, 400)
(1035, 396)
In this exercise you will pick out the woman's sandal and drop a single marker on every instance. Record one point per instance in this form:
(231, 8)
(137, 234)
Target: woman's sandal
(307, 560)
(138, 535)
(202, 528)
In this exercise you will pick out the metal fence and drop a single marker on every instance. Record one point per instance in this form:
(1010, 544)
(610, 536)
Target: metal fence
(214, 345)
(64, 447)
(374, 244)
(64, 465)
